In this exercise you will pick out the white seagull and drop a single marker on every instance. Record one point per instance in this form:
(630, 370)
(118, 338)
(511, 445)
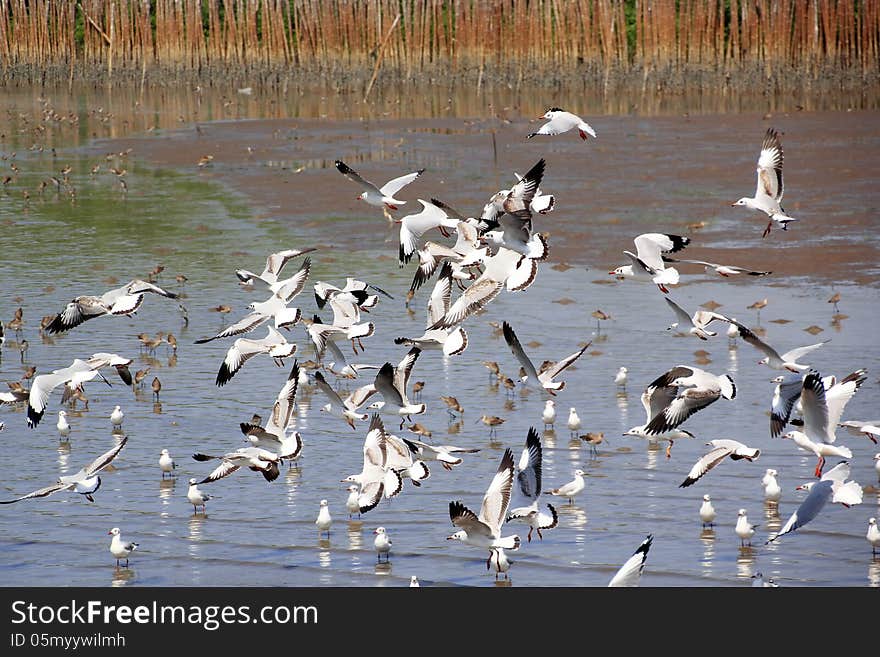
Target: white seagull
(196, 497)
(548, 416)
(822, 411)
(560, 121)
(382, 543)
(574, 421)
(352, 504)
(832, 486)
(124, 300)
(274, 436)
(655, 398)
(380, 197)
(451, 341)
(270, 275)
(620, 377)
(869, 428)
(768, 194)
(484, 530)
(324, 520)
(120, 548)
(570, 490)
(545, 378)
(744, 529)
(683, 391)
(696, 324)
(527, 490)
(647, 263)
(376, 479)
(275, 308)
(631, 572)
(166, 463)
(772, 489)
(85, 482)
(243, 349)
(347, 409)
(707, 511)
(391, 383)
(78, 372)
(725, 271)
(117, 416)
(499, 561)
(413, 226)
(873, 535)
(445, 455)
(772, 359)
(721, 449)
(63, 425)
(254, 458)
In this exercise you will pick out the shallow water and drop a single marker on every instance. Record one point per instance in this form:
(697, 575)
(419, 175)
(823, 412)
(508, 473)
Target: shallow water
(205, 223)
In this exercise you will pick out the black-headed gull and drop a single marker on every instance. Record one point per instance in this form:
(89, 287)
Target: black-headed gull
(707, 511)
(571, 489)
(166, 463)
(382, 543)
(242, 350)
(548, 415)
(768, 194)
(772, 489)
(686, 390)
(123, 300)
(196, 497)
(499, 561)
(451, 341)
(347, 408)
(654, 400)
(465, 255)
(527, 490)
(63, 425)
(119, 547)
(832, 486)
(413, 226)
(620, 377)
(560, 121)
(822, 411)
(324, 520)
(392, 382)
(446, 455)
(274, 436)
(545, 377)
(873, 535)
(352, 505)
(117, 416)
(631, 571)
(647, 263)
(275, 308)
(484, 530)
(869, 428)
(772, 359)
(574, 421)
(744, 529)
(722, 270)
(85, 482)
(722, 448)
(77, 373)
(376, 479)
(696, 324)
(254, 458)
(380, 197)
(270, 275)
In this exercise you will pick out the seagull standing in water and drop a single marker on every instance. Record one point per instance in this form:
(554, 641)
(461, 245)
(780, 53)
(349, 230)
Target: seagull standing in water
(572, 488)
(324, 520)
(707, 512)
(744, 529)
(549, 414)
(768, 194)
(560, 121)
(380, 197)
(120, 548)
(196, 497)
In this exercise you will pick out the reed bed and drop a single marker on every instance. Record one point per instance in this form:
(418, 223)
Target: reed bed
(510, 40)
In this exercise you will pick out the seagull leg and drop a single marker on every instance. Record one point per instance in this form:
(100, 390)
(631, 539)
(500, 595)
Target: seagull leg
(540, 535)
(530, 535)
(767, 229)
(669, 449)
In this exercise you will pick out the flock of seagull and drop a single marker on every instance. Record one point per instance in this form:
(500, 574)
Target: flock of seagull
(498, 251)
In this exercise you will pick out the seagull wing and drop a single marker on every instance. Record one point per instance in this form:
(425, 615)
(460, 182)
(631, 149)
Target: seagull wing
(438, 304)
(244, 325)
(497, 499)
(799, 352)
(275, 262)
(749, 336)
(704, 464)
(818, 497)
(138, 286)
(42, 492)
(631, 571)
(475, 297)
(528, 477)
(688, 402)
(76, 312)
(225, 469)
(404, 369)
(463, 517)
(331, 394)
(104, 460)
(839, 394)
(684, 320)
(241, 351)
(353, 175)
(521, 194)
(393, 186)
(295, 284)
(770, 167)
(516, 348)
(785, 395)
(562, 364)
(815, 408)
(283, 408)
(384, 383)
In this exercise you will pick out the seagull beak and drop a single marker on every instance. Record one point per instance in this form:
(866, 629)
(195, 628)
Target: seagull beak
(108, 533)
(611, 273)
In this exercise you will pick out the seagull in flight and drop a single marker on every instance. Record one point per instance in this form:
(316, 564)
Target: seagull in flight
(123, 300)
(647, 263)
(274, 436)
(85, 482)
(722, 448)
(696, 324)
(545, 377)
(380, 197)
(631, 572)
(527, 489)
(560, 121)
(768, 194)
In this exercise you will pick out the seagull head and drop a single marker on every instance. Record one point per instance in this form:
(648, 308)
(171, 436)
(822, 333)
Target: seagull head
(460, 535)
(621, 272)
(743, 201)
(674, 325)
(114, 531)
(550, 113)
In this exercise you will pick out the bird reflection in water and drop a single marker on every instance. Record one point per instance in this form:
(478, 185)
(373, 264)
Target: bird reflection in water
(122, 576)
(707, 538)
(745, 562)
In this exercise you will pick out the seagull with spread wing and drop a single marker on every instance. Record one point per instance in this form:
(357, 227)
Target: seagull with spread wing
(274, 436)
(484, 530)
(686, 391)
(545, 377)
(647, 263)
(85, 482)
(527, 490)
(380, 197)
(451, 341)
(722, 448)
(123, 300)
(696, 324)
